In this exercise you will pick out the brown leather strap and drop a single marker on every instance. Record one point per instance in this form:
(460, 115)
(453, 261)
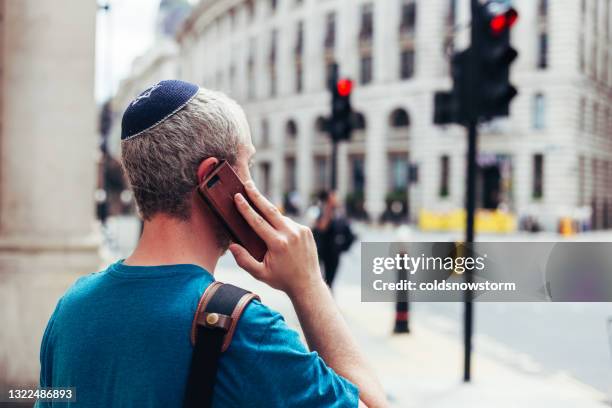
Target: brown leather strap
(208, 293)
(217, 320)
(242, 303)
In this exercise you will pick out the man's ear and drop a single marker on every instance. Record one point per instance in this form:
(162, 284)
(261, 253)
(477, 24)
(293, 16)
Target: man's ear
(206, 167)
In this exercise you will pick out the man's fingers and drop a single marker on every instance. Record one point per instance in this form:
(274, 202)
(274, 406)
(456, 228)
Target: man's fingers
(269, 210)
(246, 261)
(255, 220)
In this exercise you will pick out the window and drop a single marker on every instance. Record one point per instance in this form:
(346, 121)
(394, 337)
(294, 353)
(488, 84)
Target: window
(265, 134)
(290, 174)
(272, 63)
(365, 43)
(357, 166)
(330, 31)
(367, 22)
(444, 176)
(299, 47)
(407, 64)
(408, 16)
(321, 172)
(451, 22)
(265, 180)
(299, 77)
(365, 73)
(399, 118)
(299, 38)
(250, 6)
(537, 190)
(539, 112)
(543, 51)
(329, 44)
(251, 70)
(543, 9)
(398, 174)
(542, 59)
(291, 130)
(407, 31)
(581, 52)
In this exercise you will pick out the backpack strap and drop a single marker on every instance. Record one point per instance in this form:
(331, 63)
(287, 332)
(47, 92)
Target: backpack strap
(212, 329)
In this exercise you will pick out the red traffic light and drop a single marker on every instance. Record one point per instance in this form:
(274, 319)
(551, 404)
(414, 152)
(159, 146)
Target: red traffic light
(344, 87)
(503, 21)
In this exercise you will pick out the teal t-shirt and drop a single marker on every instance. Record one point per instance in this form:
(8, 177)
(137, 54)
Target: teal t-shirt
(121, 338)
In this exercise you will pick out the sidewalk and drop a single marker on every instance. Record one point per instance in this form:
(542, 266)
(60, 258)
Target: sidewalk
(423, 369)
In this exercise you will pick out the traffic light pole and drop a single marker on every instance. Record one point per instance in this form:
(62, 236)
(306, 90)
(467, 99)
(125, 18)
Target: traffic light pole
(470, 207)
(470, 202)
(334, 165)
(481, 91)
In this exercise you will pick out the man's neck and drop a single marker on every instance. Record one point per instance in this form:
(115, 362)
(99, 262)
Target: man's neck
(168, 241)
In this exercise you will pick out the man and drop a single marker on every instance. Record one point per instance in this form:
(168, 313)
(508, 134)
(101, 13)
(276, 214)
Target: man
(333, 235)
(121, 336)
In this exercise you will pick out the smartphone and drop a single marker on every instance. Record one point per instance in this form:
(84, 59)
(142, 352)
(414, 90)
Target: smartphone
(218, 191)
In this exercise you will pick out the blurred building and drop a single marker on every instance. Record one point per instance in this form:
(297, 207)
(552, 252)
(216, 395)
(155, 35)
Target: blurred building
(551, 159)
(158, 63)
(47, 170)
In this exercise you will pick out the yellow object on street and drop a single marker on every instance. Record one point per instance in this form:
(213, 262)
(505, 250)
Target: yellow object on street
(486, 221)
(566, 227)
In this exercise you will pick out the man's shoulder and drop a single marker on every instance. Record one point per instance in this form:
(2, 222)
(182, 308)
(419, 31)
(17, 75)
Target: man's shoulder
(84, 285)
(255, 323)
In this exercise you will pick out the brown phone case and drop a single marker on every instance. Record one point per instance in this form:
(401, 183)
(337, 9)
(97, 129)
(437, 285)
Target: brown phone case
(218, 191)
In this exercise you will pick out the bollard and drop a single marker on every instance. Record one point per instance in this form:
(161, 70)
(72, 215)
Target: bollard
(403, 235)
(401, 306)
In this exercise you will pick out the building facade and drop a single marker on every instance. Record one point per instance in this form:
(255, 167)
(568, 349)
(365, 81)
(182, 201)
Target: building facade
(551, 158)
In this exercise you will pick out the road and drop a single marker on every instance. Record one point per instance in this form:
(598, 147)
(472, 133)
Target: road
(537, 338)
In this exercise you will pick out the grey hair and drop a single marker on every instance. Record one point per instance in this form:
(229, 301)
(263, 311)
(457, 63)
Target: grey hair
(161, 163)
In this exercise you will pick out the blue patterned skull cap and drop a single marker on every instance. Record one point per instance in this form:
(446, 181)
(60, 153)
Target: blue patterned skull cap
(155, 105)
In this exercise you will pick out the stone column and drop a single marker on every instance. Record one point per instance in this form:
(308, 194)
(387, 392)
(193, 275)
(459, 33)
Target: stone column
(47, 169)
(304, 165)
(375, 164)
(277, 135)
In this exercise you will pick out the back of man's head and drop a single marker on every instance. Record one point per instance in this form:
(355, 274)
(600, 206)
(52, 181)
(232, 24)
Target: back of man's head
(161, 154)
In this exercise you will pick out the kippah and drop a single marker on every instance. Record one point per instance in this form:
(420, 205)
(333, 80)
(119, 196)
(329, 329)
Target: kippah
(155, 105)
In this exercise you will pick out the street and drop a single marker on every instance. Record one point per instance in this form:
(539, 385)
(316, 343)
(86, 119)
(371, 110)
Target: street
(534, 337)
(567, 341)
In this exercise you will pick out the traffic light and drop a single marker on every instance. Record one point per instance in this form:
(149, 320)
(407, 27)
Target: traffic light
(340, 123)
(452, 107)
(495, 55)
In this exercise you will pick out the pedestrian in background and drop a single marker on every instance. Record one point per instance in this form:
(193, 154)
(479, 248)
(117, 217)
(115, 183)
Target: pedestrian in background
(333, 234)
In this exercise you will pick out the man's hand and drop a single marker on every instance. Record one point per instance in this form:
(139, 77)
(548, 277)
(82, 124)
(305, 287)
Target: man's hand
(291, 263)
